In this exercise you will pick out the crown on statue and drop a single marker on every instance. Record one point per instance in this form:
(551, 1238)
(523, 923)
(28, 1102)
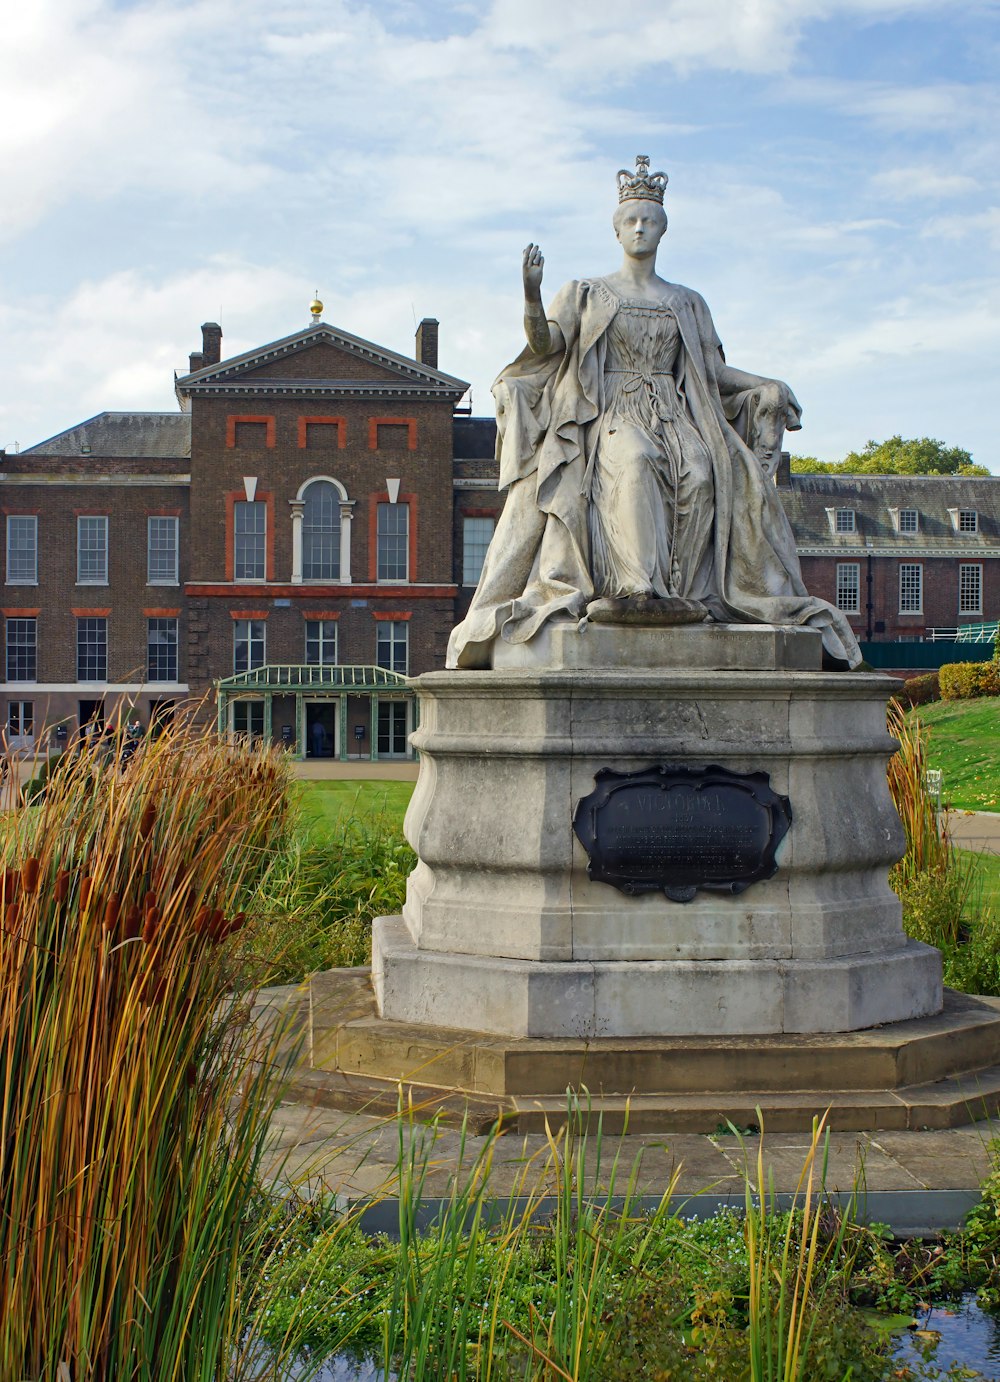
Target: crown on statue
(642, 185)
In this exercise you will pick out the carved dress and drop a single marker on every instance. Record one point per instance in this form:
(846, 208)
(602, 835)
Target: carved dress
(625, 475)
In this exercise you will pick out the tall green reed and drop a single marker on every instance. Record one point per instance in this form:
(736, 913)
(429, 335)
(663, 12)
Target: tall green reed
(134, 1093)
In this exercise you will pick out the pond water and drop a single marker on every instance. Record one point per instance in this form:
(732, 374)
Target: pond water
(969, 1337)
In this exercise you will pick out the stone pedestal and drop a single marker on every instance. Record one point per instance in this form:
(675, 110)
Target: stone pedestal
(504, 932)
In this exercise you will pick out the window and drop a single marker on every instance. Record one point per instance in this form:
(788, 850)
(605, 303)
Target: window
(92, 649)
(22, 649)
(321, 532)
(911, 588)
(248, 718)
(22, 549)
(849, 587)
(909, 520)
(844, 521)
(968, 521)
(476, 536)
(970, 588)
(161, 550)
(92, 550)
(321, 642)
(393, 542)
(249, 541)
(248, 644)
(161, 649)
(391, 642)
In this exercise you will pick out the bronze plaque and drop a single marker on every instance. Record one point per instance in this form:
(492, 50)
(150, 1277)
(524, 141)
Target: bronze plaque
(677, 829)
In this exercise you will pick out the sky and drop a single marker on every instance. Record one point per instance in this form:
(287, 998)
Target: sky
(834, 189)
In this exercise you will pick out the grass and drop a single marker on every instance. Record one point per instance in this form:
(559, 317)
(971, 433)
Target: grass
(325, 806)
(964, 743)
(986, 868)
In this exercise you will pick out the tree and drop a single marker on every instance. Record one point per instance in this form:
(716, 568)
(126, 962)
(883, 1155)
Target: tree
(896, 456)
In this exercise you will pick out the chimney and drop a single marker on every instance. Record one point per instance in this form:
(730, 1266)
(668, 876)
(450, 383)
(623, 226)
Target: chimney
(211, 343)
(783, 475)
(196, 360)
(427, 342)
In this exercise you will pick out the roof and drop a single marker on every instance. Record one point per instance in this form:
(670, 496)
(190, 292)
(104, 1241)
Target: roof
(161, 436)
(243, 373)
(475, 438)
(873, 497)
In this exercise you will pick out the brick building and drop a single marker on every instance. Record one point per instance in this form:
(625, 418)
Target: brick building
(303, 533)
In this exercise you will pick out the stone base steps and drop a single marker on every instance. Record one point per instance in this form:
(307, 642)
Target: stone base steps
(938, 1072)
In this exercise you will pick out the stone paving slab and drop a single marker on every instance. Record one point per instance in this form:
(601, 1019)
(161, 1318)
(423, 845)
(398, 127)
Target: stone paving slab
(355, 1155)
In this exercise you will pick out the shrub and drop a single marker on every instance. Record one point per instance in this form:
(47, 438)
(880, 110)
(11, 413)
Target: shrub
(133, 1117)
(962, 681)
(921, 690)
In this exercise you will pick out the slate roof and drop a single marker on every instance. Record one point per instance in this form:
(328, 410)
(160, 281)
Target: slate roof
(871, 497)
(156, 436)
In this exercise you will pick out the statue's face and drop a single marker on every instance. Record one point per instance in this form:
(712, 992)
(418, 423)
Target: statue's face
(639, 227)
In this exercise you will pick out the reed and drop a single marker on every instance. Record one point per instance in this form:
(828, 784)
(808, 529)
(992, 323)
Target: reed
(928, 848)
(132, 1115)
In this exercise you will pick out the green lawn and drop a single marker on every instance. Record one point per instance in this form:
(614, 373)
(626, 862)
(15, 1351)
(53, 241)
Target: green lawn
(988, 868)
(964, 742)
(325, 803)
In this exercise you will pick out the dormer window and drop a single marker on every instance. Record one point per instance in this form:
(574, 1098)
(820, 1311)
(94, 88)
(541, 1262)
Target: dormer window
(844, 521)
(909, 521)
(968, 521)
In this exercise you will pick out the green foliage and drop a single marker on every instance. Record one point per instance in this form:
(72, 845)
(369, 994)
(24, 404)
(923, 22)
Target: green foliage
(920, 690)
(895, 456)
(963, 681)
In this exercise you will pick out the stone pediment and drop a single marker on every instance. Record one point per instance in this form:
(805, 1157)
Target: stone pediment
(322, 360)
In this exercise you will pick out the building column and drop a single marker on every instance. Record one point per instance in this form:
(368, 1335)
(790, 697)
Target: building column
(373, 730)
(297, 507)
(342, 744)
(346, 509)
(268, 721)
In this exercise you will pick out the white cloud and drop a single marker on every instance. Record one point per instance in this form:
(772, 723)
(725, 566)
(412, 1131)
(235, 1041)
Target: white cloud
(921, 182)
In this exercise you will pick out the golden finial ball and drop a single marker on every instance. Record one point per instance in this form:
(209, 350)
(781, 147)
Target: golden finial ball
(316, 308)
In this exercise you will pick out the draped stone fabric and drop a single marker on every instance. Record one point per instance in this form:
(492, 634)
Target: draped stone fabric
(633, 400)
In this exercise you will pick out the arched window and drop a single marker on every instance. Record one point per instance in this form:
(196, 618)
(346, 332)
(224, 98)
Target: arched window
(321, 532)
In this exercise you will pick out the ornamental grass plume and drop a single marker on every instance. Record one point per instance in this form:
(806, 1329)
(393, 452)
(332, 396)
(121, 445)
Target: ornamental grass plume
(132, 1110)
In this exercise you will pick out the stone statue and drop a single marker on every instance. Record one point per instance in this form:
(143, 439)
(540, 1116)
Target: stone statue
(637, 463)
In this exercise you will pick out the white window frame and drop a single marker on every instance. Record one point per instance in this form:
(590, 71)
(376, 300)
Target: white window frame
(316, 533)
(258, 537)
(918, 607)
(964, 607)
(92, 556)
(30, 521)
(387, 557)
(474, 548)
(32, 644)
(318, 636)
(845, 521)
(968, 520)
(390, 636)
(907, 514)
(167, 620)
(91, 619)
(843, 568)
(168, 572)
(254, 632)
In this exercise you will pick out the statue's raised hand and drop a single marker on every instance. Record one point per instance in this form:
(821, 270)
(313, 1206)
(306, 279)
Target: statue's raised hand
(532, 264)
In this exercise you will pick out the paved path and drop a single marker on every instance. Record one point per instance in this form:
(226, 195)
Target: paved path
(356, 1155)
(975, 830)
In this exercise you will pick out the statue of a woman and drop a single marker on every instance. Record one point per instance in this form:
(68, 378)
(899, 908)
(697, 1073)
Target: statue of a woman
(624, 442)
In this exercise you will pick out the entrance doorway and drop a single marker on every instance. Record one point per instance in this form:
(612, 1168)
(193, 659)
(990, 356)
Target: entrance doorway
(90, 719)
(393, 729)
(321, 729)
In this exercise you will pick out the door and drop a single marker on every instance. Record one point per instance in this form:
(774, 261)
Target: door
(321, 729)
(393, 729)
(248, 718)
(20, 725)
